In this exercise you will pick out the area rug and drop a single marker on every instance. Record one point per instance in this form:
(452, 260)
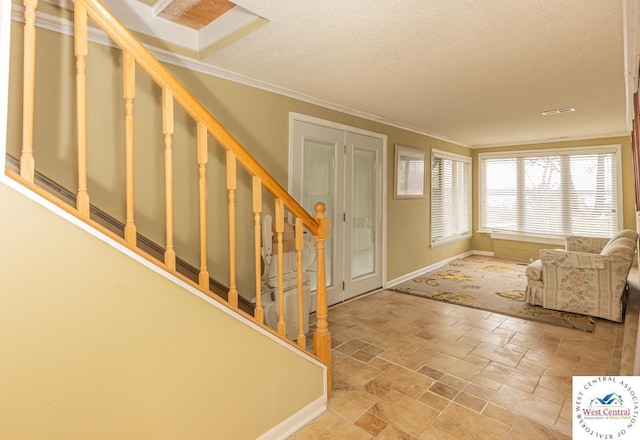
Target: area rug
(488, 284)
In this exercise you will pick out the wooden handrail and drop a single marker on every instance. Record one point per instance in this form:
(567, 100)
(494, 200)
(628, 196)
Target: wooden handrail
(165, 79)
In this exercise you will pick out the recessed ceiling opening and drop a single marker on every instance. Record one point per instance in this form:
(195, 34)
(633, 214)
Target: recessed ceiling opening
(195, 13)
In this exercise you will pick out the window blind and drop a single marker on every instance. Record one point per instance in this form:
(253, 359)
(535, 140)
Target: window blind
(551, 193)
(411, 176)
(450, 197)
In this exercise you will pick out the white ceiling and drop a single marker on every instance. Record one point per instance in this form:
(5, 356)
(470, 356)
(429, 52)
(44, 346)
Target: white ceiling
(476, 72)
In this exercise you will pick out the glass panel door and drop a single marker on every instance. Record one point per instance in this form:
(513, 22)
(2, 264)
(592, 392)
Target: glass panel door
(316, 176)
(344, 171)
(363, 211)
(319, 186)
(363, 194)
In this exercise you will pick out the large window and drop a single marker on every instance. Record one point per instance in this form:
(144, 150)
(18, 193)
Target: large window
(551, 193)
(450, 197)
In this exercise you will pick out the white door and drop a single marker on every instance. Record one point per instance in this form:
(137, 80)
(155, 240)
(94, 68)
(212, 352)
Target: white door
(344, 170)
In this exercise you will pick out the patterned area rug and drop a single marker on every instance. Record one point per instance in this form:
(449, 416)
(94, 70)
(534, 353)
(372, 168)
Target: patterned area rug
(489, 284)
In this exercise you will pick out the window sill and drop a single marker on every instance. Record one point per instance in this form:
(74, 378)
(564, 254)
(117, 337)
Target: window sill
(450, 240)
(528, 238)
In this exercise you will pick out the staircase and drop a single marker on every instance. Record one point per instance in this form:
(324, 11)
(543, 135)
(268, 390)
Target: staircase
(239, 190)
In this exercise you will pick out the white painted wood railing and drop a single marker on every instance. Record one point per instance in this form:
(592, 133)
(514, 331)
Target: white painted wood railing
(135, 54)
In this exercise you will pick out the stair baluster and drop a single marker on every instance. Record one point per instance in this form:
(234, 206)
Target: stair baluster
(279, 226)
(129, 80)
(258, 312)
(302, 341)
(27, 159)
(203, 157)
(231, 187)
(81, 51)
(167, 130)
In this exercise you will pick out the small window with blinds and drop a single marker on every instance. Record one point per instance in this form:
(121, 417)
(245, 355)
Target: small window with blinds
(551, 193)
(409, 173)
(450, 197)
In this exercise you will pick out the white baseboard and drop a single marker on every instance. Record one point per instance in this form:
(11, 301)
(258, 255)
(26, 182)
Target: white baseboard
(484, 253)
(419, 272)
(296, 421)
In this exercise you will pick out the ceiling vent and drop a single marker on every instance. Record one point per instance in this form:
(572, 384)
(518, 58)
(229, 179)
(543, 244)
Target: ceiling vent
(558, 111)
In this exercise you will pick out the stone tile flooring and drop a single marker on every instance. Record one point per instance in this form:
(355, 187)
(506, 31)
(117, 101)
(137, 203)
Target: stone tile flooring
(411, 368)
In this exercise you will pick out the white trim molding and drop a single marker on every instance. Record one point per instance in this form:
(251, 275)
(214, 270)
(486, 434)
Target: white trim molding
(434, 266)
(296, 421)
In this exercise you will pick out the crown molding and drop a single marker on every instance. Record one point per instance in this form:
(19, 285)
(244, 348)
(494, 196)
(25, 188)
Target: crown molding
(551, 140)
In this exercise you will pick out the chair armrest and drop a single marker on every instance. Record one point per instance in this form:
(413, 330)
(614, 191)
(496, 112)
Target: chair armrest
(579, 243)
(534, 271)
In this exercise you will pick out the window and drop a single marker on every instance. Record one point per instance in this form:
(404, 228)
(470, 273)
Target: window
(551, 193)
(450, 197)
(409, 183)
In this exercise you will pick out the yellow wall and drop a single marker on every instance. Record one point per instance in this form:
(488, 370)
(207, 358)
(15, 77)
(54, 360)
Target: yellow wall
(524, 251)
(258, 119)
(97, 346)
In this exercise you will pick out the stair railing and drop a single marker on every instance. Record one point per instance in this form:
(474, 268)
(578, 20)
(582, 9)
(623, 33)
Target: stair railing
(173, 92)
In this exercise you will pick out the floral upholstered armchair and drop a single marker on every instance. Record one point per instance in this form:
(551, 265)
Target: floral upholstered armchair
(589, 277)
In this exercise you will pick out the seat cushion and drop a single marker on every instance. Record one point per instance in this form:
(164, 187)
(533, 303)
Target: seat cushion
(534, 270)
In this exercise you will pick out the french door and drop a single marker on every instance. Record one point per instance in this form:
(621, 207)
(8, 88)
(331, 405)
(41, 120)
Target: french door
(344, 170)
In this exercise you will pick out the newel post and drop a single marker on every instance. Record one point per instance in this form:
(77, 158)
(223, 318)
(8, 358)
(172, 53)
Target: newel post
(322, 337)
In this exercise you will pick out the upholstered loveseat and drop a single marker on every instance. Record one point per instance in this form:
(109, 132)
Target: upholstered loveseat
(588, 277)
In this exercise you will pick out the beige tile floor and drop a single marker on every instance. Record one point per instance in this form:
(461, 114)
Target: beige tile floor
(410, 368)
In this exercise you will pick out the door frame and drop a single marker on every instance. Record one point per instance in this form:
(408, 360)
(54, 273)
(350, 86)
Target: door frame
(293, 117)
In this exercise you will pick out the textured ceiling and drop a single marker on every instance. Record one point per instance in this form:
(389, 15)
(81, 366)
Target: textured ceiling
(476, 72)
